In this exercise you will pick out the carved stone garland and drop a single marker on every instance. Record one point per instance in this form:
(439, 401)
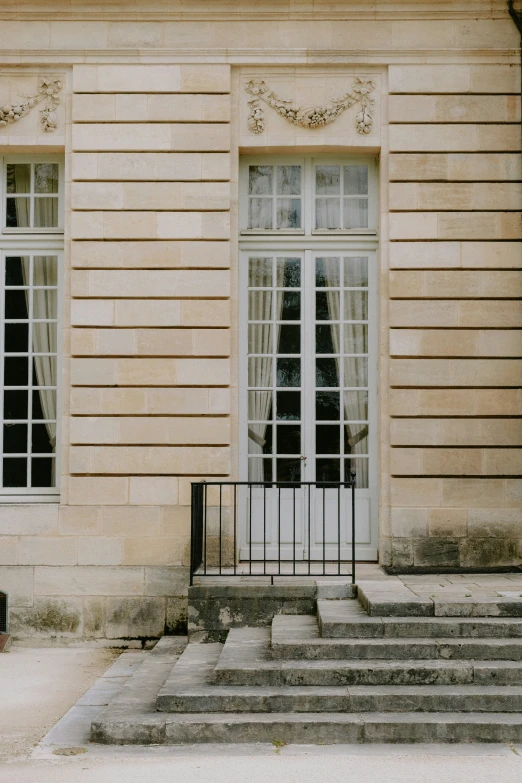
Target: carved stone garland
(48, 92)
(311, 117)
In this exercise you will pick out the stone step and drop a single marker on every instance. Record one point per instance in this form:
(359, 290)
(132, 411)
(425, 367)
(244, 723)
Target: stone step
(307, 728)
(189, 689)
(385, 599)
(338, 619)
(245, 660)
(297, 638)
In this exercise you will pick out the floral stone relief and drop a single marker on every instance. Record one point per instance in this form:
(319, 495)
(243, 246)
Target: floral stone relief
(311, 116)
(48, 94)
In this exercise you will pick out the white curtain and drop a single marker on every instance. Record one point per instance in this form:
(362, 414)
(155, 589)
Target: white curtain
(44, 336)
(260, 305)
(354, 309)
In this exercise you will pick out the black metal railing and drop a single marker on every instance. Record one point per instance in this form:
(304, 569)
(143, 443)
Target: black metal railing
(273, 528)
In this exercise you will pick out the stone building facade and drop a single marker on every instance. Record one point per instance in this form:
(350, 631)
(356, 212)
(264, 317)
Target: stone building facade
(153, 112)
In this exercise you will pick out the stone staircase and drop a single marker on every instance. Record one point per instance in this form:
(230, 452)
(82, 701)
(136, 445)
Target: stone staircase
(368, 671)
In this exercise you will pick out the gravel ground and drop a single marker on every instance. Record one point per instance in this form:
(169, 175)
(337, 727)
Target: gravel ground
(37, 687)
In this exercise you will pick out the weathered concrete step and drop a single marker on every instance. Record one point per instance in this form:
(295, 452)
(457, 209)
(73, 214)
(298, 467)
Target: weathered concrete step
(386, 599)
(306, 728)
(338, 619)
(297, 638)
(245, 660)
(189, 689)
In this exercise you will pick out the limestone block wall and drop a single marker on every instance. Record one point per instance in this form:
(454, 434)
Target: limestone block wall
(150, 299)
(146, 367)
(455, 317)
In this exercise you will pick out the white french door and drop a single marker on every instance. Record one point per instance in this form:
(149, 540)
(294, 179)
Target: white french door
(309, 388)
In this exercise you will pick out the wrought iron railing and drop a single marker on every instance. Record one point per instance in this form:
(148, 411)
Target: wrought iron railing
(278, 528)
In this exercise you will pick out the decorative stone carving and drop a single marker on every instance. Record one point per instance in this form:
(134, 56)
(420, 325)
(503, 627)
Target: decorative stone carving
(311, 116)
(48, 93)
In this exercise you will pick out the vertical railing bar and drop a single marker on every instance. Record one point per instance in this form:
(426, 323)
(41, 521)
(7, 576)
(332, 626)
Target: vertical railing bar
(204, 529)
(279, 529)
(192, 532)
(220, 525)
(309, 533)
(250, 529)
(352, 476)
(235, 527)
(324, 529)
(293, 522)
(339, 530)
(264, 529)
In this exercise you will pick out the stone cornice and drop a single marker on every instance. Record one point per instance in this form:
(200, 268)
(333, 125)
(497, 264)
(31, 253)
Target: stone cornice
(253, 57)
(252, 10)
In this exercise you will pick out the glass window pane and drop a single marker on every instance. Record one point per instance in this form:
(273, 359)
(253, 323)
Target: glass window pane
(44, 372)
(15, 304)
(15, 404)
(355, 213)
(41, 436)
(289, 439)
(288, 180)
(42, 470)
(18, 177)
(355, 272)
(328, 470)
(356, 338)
(355, 180)
(288, 272)
(16, 371)
(327, 338)
(15, 438)
(327, 406)
(288, 213)
(289, 339)
(14, 472)
(288, 405)
(45, 271)
(327, 272)
(356, 372)
(260, 306)
(45, 212)
(45, 305)
(327, 372)
(259, 438)
(356, 405)
(260, 180)
(18, 213)
(327, 439)
(16, 338)
(260, 213)
(259, 405)
(356, 439)
(360, 468)
(327, 306)
(327, 180)
(288, 306)
(46, 178)
(355, 305)
(260, 470)
(260, 338)
(327, 213)
(260, 372)
(288, 372)
(260, 272)
(288, 469)
(17, 270)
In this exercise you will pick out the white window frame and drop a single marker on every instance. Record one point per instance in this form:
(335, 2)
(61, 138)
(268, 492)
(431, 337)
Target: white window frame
(309, 241)
(36, 241)
(308, 195)
(4, 195)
